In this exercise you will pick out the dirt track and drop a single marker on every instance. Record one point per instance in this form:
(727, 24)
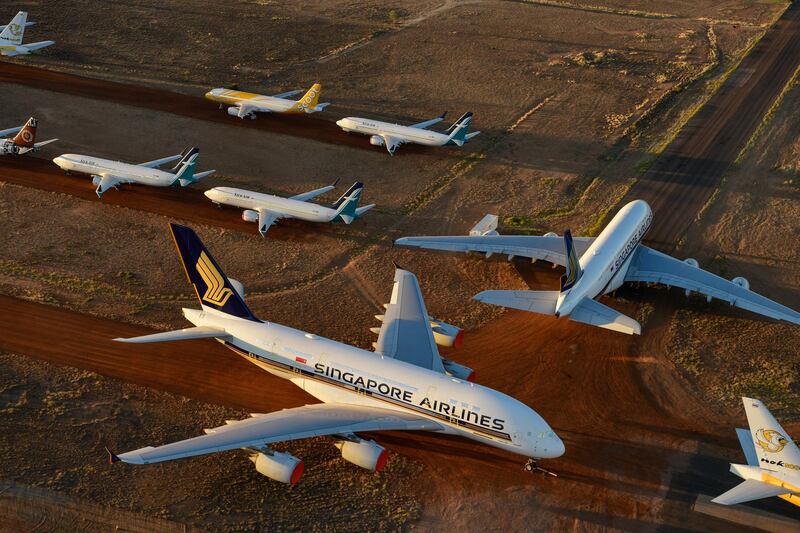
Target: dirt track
(686, 175)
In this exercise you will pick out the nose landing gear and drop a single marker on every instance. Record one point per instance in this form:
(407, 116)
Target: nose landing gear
(532, 466)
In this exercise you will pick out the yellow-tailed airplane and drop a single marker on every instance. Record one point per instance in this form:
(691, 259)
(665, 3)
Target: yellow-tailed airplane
(243, 104)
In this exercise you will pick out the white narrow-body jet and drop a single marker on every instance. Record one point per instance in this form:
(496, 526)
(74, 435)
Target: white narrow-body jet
(107, 173)
(11, 37)
(597, 266)
(393, 135)
(24, 139)
(243, 104)
(773, 460)
(267, 209)
(404, 385)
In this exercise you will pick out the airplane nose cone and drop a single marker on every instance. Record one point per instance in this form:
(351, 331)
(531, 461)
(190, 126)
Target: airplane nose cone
(209, 194)
(58, 160)
(550, 447)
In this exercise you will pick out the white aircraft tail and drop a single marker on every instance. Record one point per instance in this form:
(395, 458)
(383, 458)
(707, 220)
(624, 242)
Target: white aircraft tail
(347, 205)
(15, 29)
(772, 444)
(574, 272)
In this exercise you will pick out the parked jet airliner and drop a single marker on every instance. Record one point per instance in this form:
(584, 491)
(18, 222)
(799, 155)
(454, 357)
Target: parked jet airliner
(266, 209)
(107, 173)
(404, 385)
(24, 141)
(11, 37)
(773, 460)
(393, 135)
(597, 266)
(248, 104)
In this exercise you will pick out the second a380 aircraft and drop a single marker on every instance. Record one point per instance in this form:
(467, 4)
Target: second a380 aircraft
(267, 209)
(598, 266)
(404, 385)
(107, 174)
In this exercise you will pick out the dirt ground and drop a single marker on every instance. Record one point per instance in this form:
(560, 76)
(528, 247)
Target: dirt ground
(559, 91)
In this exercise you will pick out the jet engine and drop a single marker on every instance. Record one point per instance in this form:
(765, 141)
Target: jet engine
(458, 371)
(741, 282)
(283, 467)
(96, 180)
(364, 453)
(248, 215)
(692, 262)
(445, 334)
(376, 140)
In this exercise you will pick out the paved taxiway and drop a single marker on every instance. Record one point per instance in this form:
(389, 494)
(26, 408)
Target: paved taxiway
(685, 176)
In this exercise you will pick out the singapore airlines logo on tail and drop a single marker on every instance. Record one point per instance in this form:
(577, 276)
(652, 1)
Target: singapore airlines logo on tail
(216, 292)
(770, 440)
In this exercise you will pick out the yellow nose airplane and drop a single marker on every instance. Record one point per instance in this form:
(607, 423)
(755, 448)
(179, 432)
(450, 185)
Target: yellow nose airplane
(243, 104)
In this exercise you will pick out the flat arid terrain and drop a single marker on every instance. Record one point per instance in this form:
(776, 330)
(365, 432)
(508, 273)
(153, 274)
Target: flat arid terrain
(581, 108)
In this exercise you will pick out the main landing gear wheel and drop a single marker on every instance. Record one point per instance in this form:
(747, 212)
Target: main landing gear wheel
(531, 466)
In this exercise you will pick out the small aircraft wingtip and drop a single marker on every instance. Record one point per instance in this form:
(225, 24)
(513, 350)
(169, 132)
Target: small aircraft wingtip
(335, 183)
(398, 267)
(112, 458)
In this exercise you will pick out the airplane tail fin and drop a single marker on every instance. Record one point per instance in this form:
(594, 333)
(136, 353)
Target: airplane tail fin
(26, 138)
(185, 156)
(772, 444)
(308, 103)
(460, 129)
(214, 289)
(455, 124)
(185, 175)
(574, 271)
(347, 206)
(15, 29)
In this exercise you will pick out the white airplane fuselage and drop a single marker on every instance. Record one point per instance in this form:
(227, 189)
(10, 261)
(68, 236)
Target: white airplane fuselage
(606, 261)
(337, 373)
(405, 134)
(253, 200)
(231, 97)
(95, 166)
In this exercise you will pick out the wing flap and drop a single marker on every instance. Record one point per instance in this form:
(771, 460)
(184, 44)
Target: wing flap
(288, 424)
(655, 267)
(405, 333)
(749, 490)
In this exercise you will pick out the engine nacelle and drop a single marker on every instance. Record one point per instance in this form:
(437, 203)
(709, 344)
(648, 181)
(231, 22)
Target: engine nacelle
(741, 282)
(96, 180)
(283, 467)
(248, 215)
(446, 334)
(551, 234)
(233, 111)
(376, 140)
(692, 262)
(364, 453)
(458, 371)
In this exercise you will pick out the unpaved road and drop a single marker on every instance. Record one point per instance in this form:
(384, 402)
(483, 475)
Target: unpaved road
(685, 176)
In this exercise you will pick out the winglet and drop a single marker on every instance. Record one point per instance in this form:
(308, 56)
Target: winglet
(335, 183)
(398, 267)
(443, 115)
(112, 458)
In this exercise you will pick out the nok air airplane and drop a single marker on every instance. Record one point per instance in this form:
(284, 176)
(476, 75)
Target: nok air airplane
(243, 104)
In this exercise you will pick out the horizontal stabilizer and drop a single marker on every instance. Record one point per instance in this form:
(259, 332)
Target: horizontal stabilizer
(594, 313)
(543, 302)
(361, 210)
(486, 226)
(749, 490)
(202, 332)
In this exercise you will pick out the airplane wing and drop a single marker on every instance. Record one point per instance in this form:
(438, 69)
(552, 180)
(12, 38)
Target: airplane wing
(37, 46)
(288, 424)
(287, 94)
(303, 197)
(405, 333)
(428, 123)
(652, 266)
(107, 181)
(10, 131)
(163, 161)
(245, 110)
(266, 219)
(751, 489)
(25, 149)
(545, 248)
(199, 332)
(390, 142)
